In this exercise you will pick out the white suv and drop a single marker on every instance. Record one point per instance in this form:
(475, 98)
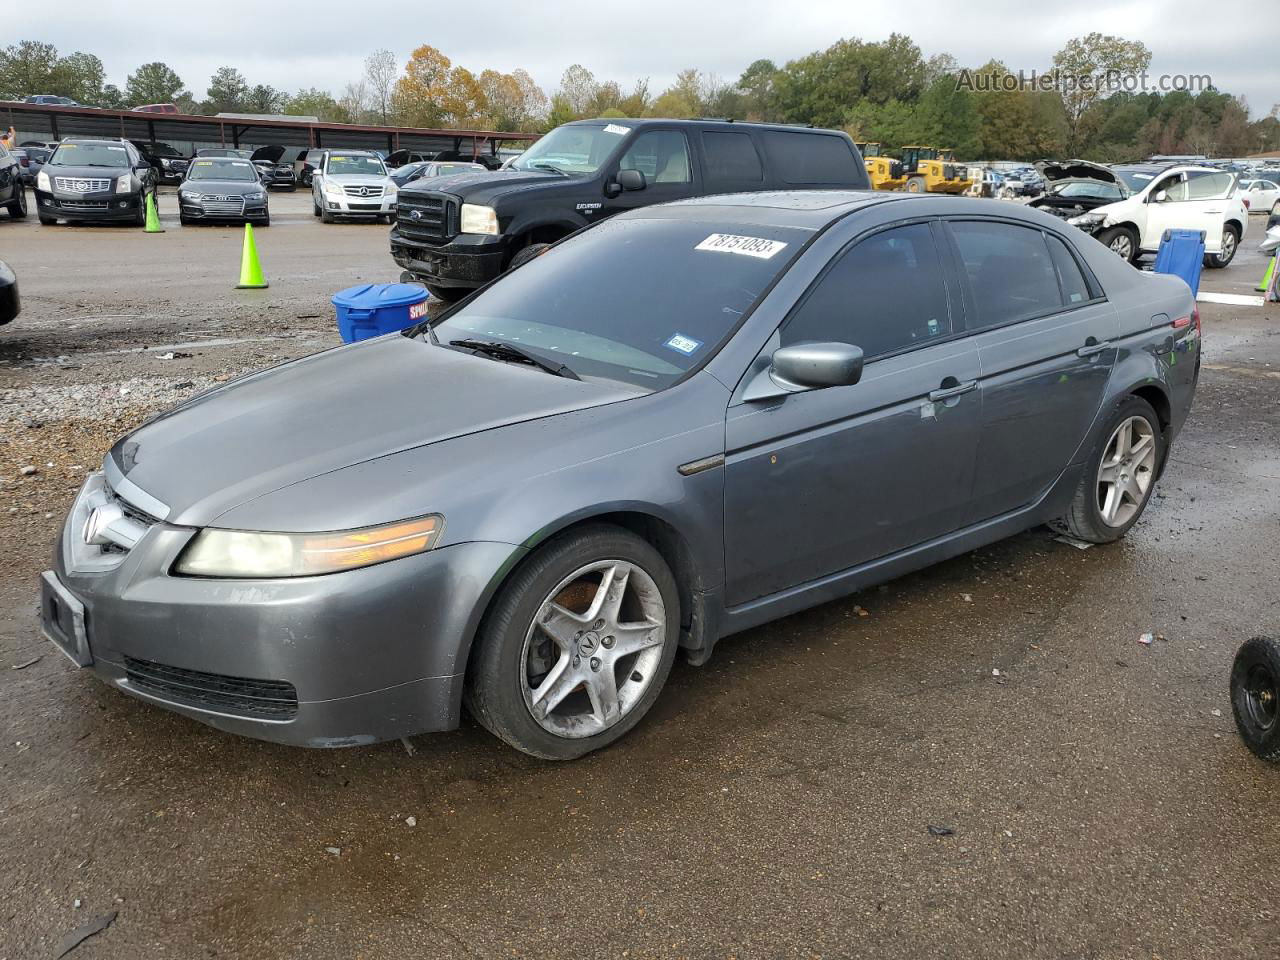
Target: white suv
(1159, 198)
(352, 183)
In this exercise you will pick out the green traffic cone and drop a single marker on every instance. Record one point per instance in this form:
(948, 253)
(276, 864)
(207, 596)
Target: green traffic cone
(251, 277)
(153, 216)
(1266, 277)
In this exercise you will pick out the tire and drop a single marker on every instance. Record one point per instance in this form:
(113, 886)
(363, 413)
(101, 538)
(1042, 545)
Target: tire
(47, 221)
(916, 185)
(184, 220)
(1093, 515)
(292, 189)
(1122, 241)
(17, 207)
(264, 222)
(1255, 696)
(447, 294)
(315, 208)
(581, 668)
(140, 218)
(526, 254)
(1230, 244)
(326, 216)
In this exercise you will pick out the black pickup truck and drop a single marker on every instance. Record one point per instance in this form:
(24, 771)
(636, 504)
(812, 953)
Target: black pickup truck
(458, 233)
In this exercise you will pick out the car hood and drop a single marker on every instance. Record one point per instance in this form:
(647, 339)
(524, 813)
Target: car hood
(270, 154)
(1055, 171)
(486, 187)
(331, 410)
(85, 173)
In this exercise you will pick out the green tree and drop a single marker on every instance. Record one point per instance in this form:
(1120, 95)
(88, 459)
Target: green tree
(228, 92)
(27, 68)
(1083, 66)
(316, 103)
(80, 76)
(263, 98)
(153, 82)
(758, 87)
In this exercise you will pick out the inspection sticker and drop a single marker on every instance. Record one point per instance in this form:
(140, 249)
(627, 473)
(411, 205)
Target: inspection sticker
(617, 128)
(682, 344)
(757, 247)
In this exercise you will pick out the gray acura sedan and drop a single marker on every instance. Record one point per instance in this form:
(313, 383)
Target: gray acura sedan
(677, 424)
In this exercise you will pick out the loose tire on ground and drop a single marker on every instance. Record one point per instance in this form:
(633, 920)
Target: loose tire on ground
(1130, 475)
(1255, 696)
(595, 578)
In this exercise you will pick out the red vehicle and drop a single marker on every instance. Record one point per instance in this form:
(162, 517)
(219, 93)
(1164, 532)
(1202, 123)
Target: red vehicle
(157, 108)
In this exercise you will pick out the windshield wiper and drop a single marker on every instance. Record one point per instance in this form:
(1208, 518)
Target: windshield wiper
(544, 165)
(500, 350)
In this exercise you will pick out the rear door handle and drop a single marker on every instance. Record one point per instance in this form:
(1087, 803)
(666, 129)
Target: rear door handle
(946, 393)
(1093, 349)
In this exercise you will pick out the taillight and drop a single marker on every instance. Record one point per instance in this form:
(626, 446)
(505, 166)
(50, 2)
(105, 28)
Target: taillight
(1246, 202)
(1191, 320)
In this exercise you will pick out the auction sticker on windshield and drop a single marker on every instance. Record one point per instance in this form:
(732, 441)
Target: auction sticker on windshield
(617, 128)
(757, 247)
(683, 344)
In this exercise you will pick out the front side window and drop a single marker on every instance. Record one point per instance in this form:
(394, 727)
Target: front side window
(885, 294)
(1174, 187)
(661, 155)
(1010, 271)
(666, 295)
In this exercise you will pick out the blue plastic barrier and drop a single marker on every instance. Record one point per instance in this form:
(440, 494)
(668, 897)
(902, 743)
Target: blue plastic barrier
(1181, 253)
(373, 309)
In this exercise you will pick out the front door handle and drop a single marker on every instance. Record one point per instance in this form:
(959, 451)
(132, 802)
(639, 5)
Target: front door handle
(1093, 348)
(947, 393)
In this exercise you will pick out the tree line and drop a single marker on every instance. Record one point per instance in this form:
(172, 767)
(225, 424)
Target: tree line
(885, 91)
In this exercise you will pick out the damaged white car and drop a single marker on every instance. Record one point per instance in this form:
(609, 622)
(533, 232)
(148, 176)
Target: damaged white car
(1154, 198)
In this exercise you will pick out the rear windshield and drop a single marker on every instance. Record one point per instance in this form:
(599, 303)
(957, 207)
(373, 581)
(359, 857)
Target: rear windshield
(90, 155)
(666, 295)
(813, 158)
(223, 170)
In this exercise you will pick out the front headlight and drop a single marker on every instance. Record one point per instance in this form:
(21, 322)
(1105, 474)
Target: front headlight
(333, 187)
(1087, 219)
(125, 184)
(242, 554)
(190, 195)
(42, 181)
(478, 219)
(256, 195)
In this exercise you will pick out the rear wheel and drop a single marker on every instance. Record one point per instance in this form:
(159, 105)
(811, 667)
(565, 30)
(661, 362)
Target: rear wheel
(1121, 241)
(1255, 696)
(917, 185)
(577, 645)
(447, 294)
(17, 207)
(1230, 244)
(1119, 477)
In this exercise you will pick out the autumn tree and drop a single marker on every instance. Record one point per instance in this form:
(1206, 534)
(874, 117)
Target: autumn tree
(1082, 67)
(420, 94)
(380, 73)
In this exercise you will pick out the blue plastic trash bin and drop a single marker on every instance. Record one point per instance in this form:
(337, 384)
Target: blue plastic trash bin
(1181, 253)
(373, 309)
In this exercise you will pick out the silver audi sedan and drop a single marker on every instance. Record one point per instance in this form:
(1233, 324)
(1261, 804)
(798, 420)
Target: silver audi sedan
(677, 424)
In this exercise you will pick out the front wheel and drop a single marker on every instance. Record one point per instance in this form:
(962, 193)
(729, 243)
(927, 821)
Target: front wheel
(47, 221)
(1255, 696)
(526, 254)
(577, 645)
(17, 207)
(1230, 244)
(917, 185)
(326, 216)
(1119, 477)
(1121, 241)
(447, 294)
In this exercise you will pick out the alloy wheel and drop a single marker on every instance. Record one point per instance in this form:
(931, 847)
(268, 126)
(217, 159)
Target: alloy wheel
(1122, 246)
(22, 200)
(1127, 471)
(1228, 246)
(593, 648)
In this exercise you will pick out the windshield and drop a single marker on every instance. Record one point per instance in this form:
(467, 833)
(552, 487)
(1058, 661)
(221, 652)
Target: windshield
(90, 155)
(444, 169)
(358, 166)
(223, 170)
(577, 148)
(1082, 189)
(1135, 180)
(226, 152)
(164, 150)
(675, 291)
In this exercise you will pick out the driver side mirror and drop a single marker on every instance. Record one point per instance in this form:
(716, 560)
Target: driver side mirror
(1160, 196)
(626, 180)
(807, 366)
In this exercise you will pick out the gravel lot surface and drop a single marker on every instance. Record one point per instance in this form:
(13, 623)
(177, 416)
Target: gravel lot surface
(777, 802)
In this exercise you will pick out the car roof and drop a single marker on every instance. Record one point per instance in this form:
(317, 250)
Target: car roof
(703, 123)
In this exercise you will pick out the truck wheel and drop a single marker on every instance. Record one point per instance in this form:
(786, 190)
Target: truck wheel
(447, 294)
(577, 645)
(917, 185)
(525, 255)
(1230, 244)
(1121, 241)
(1119, 477)
(1255, 696)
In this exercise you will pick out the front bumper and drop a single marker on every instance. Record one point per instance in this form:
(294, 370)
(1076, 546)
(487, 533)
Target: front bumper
(467, 261)
(197, 210)
(283, 178)
(346, 659)
(345, 206)
(104, 205)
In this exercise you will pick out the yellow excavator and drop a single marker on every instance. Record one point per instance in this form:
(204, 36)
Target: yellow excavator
(885, 172)
(933, 171)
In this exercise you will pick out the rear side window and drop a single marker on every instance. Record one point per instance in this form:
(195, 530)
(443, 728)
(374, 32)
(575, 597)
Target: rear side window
(731, 158)
(884, 294)
(1010, 271)
(809, 158)
(1207, 186)
(1075, 288)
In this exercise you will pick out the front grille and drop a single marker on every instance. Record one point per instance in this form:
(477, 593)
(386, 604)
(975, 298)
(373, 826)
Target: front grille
(258, 699)
(431, 217)
(84, 204)
(81, 185)
(364, 206)
(222, 206)
(362, 191)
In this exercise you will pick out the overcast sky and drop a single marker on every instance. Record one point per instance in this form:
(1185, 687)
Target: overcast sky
(322, 43)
